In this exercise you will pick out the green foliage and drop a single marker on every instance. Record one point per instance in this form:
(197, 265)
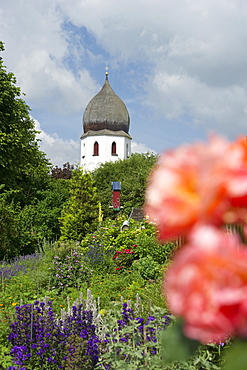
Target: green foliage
(8, 230)
(236, 357)
(98, 257)
(147, 268)
(22, 230)
(102, 235)
(132, 173)
(129, 347)
(139, 243)
(149, 246)
(99, 247)
(180, 352)
(5, 358)
(137, 353)
(151, 293)
(126, 246)
(40, 219)
(80, 213)
(180, 347)
(24, 174)
(111, 287)
(23, 166)
(126, 238)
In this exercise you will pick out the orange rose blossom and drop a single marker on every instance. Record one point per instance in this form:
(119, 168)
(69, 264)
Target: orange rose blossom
(193, 192)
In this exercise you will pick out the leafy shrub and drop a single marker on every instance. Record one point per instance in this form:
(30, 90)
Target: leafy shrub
(148, 246)
(132, 173)
(80, 213)
(102, 235)
(127, 238)
(147, 267)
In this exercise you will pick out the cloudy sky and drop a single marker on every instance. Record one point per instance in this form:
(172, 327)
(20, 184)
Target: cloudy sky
(179, 66)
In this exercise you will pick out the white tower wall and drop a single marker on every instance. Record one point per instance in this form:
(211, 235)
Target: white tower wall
(91, 158)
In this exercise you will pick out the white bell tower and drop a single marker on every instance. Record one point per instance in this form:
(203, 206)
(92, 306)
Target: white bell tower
(106, 129)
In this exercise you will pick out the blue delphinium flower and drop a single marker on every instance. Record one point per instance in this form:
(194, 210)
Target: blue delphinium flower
(141, 332)
(38, 338)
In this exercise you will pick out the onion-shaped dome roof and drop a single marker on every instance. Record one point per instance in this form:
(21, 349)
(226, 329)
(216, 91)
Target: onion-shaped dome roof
(106, 111)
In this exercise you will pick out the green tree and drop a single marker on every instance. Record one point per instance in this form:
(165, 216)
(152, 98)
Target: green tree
(23, 229)
(132, 173)
(40, 219)
(8, 229)
(80, 213)
(23, 166)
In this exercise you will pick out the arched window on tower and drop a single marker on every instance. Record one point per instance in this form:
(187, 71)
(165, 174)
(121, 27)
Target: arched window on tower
(127, 150)
(84, 151)
(96, 148)
(114, 148)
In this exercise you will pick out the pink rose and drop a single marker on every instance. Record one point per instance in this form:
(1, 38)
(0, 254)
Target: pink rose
(197, 183)
(206, 285)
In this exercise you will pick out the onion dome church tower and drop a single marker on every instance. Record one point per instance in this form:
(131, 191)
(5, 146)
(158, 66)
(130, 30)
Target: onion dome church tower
(106, 129)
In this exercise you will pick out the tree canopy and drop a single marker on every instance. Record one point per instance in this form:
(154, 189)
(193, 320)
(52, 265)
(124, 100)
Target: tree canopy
(81, 212)
(26, 210)
(22, 164)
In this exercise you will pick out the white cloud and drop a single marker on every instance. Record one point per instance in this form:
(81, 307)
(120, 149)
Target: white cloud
(182, 95)
(51, 85)
(57, 150)
(192, 56)
(36, 48)
(141, 148)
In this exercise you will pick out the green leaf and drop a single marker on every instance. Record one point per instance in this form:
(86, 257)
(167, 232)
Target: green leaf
(175, 346)
(236, 356)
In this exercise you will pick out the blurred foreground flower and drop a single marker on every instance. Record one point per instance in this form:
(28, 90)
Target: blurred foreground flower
(196, 184)
(206, 285)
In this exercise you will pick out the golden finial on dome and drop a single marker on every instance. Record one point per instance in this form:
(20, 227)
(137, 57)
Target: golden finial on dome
(106, 71)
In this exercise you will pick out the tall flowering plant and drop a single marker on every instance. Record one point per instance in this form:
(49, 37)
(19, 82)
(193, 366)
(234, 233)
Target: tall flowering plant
(40, 340)
(193, 192)
(131, 342)
(69, 271)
